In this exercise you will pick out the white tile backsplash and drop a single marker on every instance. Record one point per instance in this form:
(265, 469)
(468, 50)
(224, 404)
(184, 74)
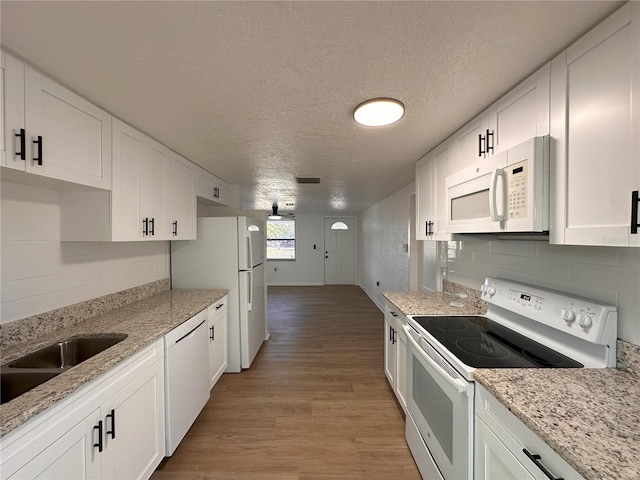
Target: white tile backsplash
(40, 273)
(605, 274)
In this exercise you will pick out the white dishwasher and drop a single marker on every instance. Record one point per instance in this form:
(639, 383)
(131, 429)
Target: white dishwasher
(186, 377)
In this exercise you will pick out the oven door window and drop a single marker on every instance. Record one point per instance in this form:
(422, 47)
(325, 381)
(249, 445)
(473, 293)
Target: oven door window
(440, 403)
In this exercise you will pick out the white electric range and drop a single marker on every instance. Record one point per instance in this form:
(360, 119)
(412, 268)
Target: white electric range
(525, 327)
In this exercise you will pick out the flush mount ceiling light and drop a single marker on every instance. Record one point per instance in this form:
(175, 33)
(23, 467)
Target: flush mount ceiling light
(274, 215)
(378, 112)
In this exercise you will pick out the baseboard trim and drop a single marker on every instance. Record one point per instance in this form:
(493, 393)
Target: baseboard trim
(295, 284)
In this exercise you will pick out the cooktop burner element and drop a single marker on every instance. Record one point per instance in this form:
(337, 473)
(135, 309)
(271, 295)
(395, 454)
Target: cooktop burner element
(480, 342)
(447, 323)
(482, 347)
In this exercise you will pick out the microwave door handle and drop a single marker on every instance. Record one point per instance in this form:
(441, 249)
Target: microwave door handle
(458, 384)
(493, 194)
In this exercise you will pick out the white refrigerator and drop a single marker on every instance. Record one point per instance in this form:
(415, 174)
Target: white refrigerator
(229, 254)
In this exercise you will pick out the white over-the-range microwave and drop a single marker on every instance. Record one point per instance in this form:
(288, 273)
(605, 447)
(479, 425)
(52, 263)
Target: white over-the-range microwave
(508, 192)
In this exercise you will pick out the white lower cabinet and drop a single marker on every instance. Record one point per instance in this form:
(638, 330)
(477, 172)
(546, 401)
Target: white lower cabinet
(218, 353)
(112, 428)
(395, 353)
(505, 449)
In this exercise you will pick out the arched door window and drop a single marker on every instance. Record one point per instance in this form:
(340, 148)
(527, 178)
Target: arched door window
(339, 226)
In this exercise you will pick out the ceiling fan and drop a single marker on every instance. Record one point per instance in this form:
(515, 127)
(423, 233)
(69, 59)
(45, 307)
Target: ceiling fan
(278, 216)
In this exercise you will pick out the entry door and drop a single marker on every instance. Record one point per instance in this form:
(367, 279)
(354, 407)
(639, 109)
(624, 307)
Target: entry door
(339, 251)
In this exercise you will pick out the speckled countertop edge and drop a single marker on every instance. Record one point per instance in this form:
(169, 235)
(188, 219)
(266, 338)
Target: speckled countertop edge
(144, 322)
(590, 417)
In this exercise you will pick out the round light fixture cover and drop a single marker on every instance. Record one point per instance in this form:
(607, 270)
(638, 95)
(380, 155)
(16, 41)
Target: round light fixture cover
(378, 112)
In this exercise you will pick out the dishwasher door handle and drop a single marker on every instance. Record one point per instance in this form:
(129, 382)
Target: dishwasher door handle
(186, 335)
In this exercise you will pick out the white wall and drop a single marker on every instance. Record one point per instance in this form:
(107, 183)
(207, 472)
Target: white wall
(383, 232)
(39, 273)
(606, 274)
(308, 267)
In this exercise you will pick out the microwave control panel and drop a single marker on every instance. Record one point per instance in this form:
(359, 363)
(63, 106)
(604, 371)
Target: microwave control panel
(517, 182)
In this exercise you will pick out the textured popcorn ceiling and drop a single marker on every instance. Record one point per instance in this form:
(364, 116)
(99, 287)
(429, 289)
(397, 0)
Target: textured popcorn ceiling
(261, 92)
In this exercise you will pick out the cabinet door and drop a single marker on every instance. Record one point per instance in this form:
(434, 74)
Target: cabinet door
(467, 147)
(390, 353)
(14, 114)
(401, 365)
(133, 422)
(218, 357)
(523, 113)
(595, 90)
(442, 167)
(3, 153)
(75, 135)
(210, 188)
(126, 195)
(155, 188)
(182, 199)
(71, 457)
(493, 460)
(425, 197)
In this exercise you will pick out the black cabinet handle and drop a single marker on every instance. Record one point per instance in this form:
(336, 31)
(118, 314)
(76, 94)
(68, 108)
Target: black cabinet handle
(635, 200)
(393, 338)
(536, 460)
(393, 313)
(481, 151)
(145, 230)
(152, 221)
(23, 144)
(38, 142)
(212, 335)
(112, 415)
(218, 307)
(489, 146)
(216, 192)
(429, 230)
(99, 428)
(390, 333)
(175, 228)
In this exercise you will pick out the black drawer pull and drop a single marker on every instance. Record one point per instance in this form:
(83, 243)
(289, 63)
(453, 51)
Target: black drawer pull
(112, 432)
(212, 335)
(152, 221)
(38, 142)
(635, 200)
(145, 231)
(23, 144)
(489, 146)
(218, 307)
(536, 459)
(175, 228)
(99, 444)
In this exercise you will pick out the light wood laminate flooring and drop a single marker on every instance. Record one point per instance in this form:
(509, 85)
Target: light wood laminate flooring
(315, 403)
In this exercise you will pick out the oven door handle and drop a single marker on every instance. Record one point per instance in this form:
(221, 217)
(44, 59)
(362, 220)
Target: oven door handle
(458, 384)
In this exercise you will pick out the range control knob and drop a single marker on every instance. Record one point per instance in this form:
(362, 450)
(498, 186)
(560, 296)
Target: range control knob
(491, 291)
(567, 315)
(584, 321)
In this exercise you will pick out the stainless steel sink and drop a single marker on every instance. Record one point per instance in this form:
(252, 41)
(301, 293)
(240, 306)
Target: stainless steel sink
(66, 354)
(15, 384)
(35, 368)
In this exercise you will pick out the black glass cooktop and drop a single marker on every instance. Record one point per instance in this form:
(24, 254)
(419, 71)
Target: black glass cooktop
(482, 343)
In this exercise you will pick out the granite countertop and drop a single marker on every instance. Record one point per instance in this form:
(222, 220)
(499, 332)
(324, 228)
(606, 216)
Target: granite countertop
(590, 417)
(425, 303)
(144, 322)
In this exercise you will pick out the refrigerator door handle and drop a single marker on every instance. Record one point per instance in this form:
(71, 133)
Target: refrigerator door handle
(249, 264)
(250, 287)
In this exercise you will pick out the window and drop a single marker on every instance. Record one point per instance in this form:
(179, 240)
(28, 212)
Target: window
(339, 226)
(281, 239)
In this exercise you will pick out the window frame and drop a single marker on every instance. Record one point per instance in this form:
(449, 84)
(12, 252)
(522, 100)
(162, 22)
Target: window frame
(268, 239)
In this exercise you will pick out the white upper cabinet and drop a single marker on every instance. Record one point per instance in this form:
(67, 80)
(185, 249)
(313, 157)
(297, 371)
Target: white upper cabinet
(52, 132)
(595, 125)
(431, 172)
(210, 189)
(470, 142)
(182, 199)
(140, 185)
(523, 113)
